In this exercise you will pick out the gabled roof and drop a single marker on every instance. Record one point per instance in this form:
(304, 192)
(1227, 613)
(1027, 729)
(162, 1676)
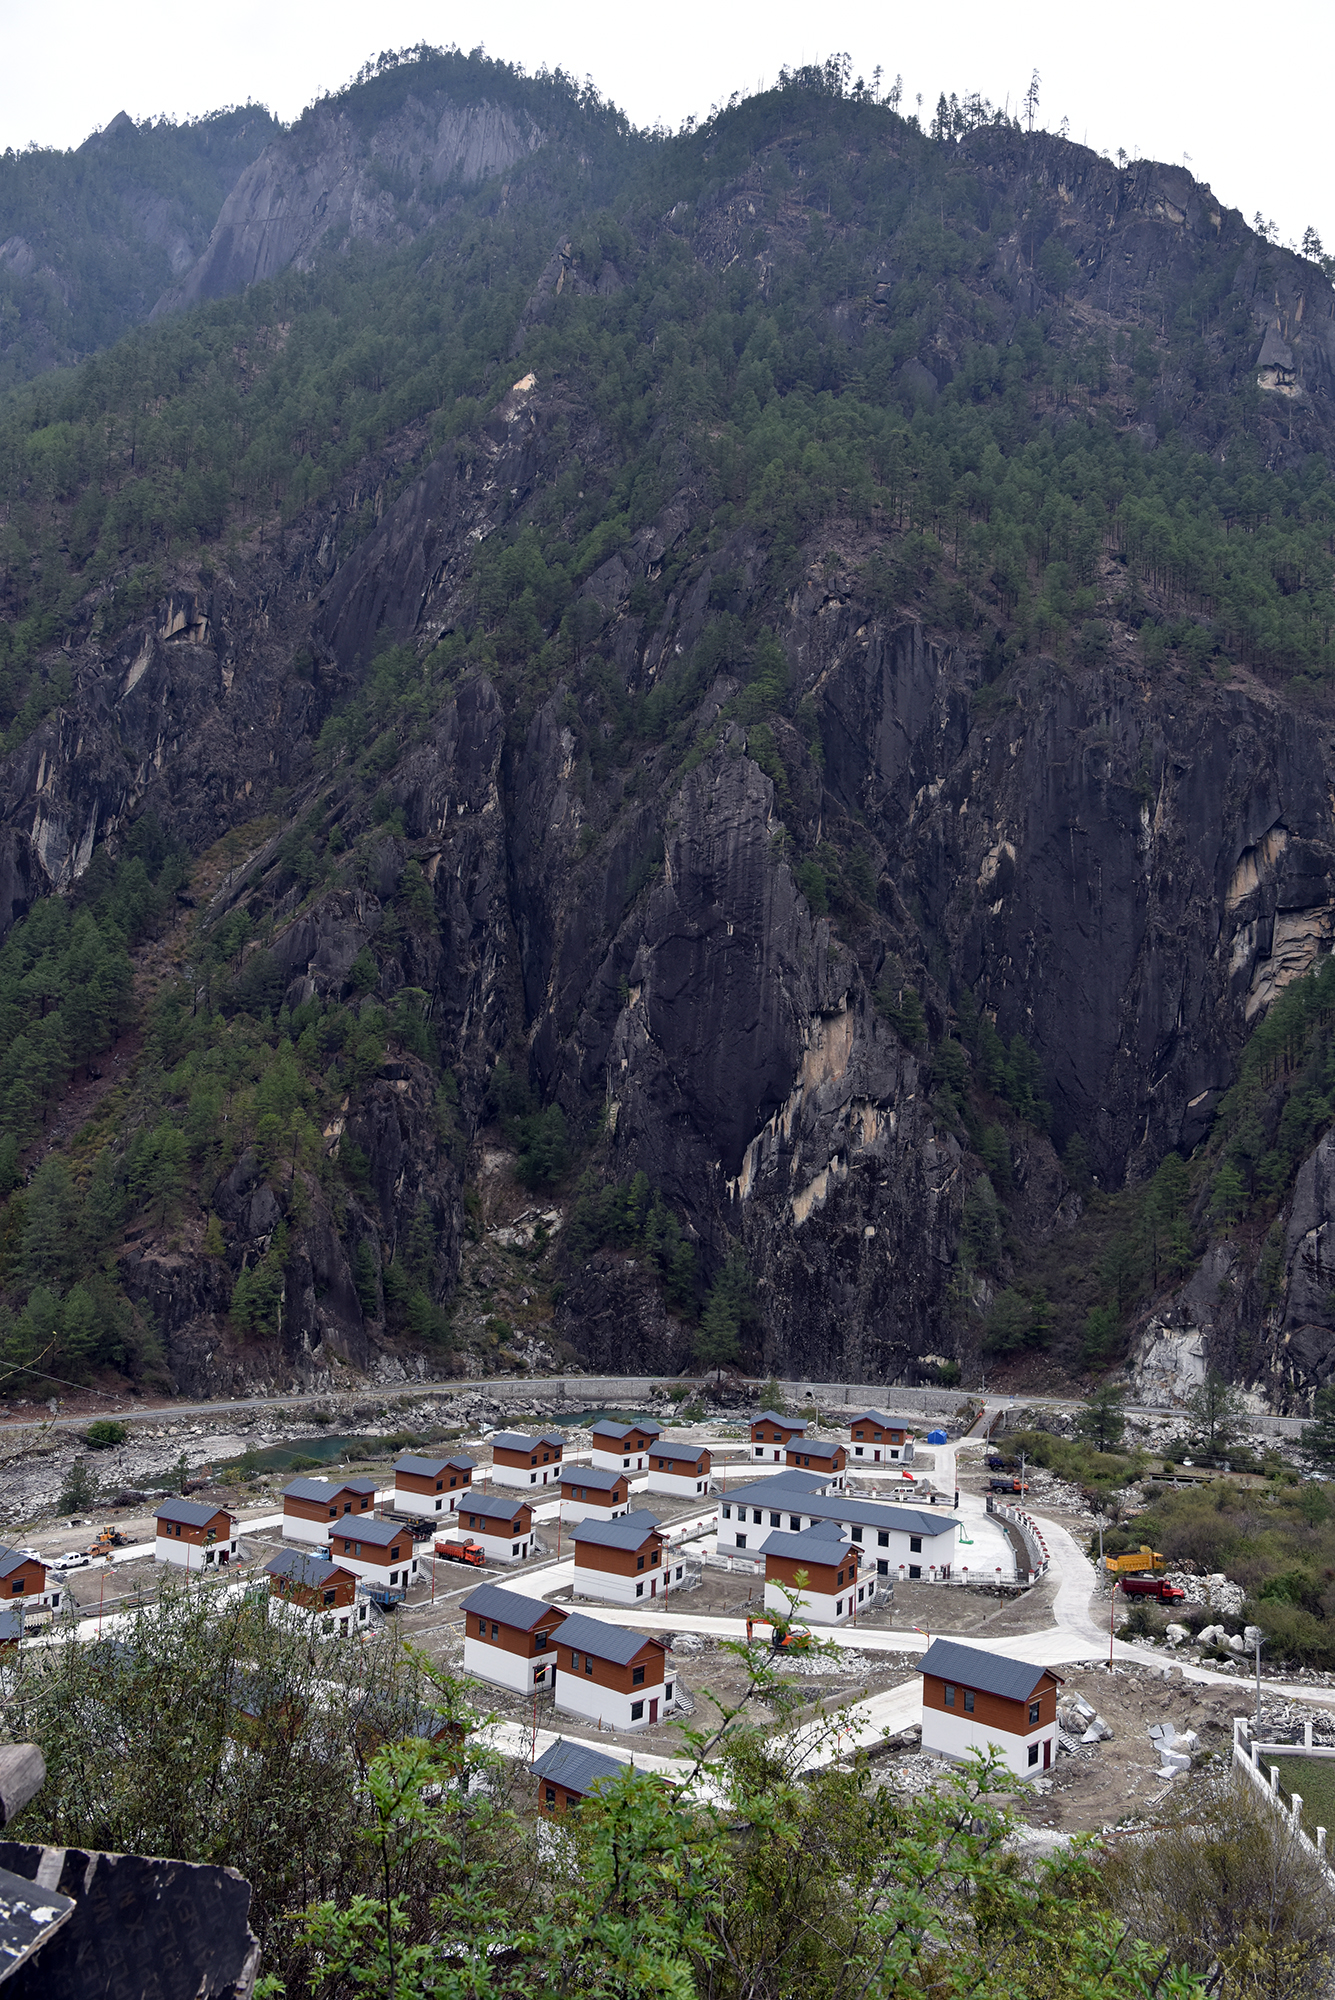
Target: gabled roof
(817, 1448)
(788, 1423)
(610, 1430)
(494, 1506)
(190, 1513)
(880, 1417)
(605, 1642)
(689, 1454)
(591, 1475)
(13, 1559)
(11, 1623)
(510, 1607)
(843, 1507)
(327, 1489)
(521, 1441)
(993, 1673)
(577, 1766)
(784, 1488)
(306, 1569)
(630, 1531)
(366, 1528)
(430, 1468)
(823, 1543)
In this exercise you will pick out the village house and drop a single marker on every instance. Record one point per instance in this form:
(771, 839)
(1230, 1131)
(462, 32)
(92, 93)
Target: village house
(23, 1580)
(975, 1700)
(568, 1772)
(429, 1485)
(593, 1494)
(520, 1460)
(310, 1506)
(195, 1534)
(909, 1542)
(508, 1638)
(771, 1435)
(315, 1595)
(806, 1455)
(614, 1677)
(624, 1561)
(503, 1526)
(682, 1470)
(827, 1559)
(379, 1553)
(622, 1447)
(876, 1439)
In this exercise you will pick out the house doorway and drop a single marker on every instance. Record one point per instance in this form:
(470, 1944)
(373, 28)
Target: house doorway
(653, 1710)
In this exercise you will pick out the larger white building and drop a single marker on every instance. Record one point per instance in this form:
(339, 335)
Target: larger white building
(899, 1541)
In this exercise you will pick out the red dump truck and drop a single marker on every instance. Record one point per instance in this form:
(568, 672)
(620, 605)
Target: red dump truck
(462, 1552)
(1153, 1586)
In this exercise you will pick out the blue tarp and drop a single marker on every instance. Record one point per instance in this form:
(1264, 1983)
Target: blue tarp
(937, 1437)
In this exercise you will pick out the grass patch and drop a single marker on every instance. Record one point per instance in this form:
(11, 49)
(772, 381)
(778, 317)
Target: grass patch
(1313, 1778)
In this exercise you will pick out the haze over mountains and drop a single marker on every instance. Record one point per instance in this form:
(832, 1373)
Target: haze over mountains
(759, 695)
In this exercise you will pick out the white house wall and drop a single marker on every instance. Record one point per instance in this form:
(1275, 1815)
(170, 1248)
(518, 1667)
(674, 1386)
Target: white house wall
(316, 1533)
(332, 1621)
(609, 1588)
(503, 1548)
(589, 1510)
(618, 1461)
(189, 1555)
(427, 1503)
(814, 1607)
(507, 1670)
(954, 1736)
(525, 1476)
(682, 1486)
(578, 1695)
(372, 1572)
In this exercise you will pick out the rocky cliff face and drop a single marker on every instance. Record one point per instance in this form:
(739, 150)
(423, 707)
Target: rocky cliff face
(328, 184)
(1123, 869)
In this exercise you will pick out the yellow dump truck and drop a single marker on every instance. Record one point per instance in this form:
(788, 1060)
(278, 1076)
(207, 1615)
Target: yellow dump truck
(1140, 1559)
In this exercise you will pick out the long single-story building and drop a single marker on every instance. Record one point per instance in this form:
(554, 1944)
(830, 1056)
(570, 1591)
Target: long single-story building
(316, 1595)
(621, 1561)
(380, 1553)
(916, 1541)
(622, 1447)
(503, 1525)
(520, 1460)
(683, 1470)
(771, 1435)
(508, 1638)
(311, 1506)
(825, 1556)
(976, 1700)
(568, 1772)
(195, 1534)
(591, 1493)
(611, 1675)
(430, 1485)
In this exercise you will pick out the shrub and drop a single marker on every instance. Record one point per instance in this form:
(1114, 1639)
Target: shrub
(105, 1433)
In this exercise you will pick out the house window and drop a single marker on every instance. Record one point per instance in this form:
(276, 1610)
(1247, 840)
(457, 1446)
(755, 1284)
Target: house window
(1033, 1753)
(653, 1559)
(776, 1520)
(882, 1538)
(639, 1590)
(727, 1513)
(514, 1548)
(637, 1711)
(915, 1570)
(551, 1798)
(755, 1515)
(948, 1691)
(839, 1607)
(539, 1641)
(533, 1479)
(588, 1663)
(667, 1692)
(1033, 1711)
(393, 1555)
(574, 1663)
(968, 1701)
(794, 1522)
(741, 1541)
(915, 1545)
(882, 1566)
(839, 1581)
(481, 1628)
(857, 1534)
(639, 1562)
(495, 1630)
(440, 1485)
(333, 1513)
(17, 1586)
(637, 1677)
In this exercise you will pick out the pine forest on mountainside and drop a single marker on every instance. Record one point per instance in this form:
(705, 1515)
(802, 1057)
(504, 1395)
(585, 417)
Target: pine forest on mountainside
(853, 364)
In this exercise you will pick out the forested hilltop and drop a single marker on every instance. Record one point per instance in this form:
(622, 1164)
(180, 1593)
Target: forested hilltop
(675, 746)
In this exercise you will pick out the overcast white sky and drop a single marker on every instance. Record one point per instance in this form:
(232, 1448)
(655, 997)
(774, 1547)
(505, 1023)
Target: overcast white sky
(1238, 88)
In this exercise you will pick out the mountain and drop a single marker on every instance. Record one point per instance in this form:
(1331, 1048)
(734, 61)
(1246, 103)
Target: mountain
(628, 748)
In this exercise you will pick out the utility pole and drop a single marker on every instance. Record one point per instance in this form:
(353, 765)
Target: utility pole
(1258, 1683)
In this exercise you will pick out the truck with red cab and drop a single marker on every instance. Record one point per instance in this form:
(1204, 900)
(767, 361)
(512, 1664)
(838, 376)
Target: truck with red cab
(463, 1552)
(1157, 1587)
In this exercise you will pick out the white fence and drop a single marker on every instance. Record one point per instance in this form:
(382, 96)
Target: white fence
(1248, 1764)
(1029, 1532)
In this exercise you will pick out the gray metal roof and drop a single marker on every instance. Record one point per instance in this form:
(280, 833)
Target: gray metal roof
(493, 1506)
(605, 1642)
(628, 1532)
(510, 1607)
(842, 1507)
(521, 1441)
(366, 1528)
(591, 1475)
(814, 1448)
(790, 1485)
(190, 1513)
(11, 1622)
(12, 1559)
(690, 1454)
(880, 1417)
(821, 1543)
(606, 1429)
(788, 1423)
(577, 1766)
(305, 1568)
(327, 1489)
(430, 1468)
(994, 1673)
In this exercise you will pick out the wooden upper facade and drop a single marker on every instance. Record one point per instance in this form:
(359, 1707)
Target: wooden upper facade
(519, 1451)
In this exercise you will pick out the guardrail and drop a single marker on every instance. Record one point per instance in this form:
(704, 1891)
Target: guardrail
(1031, 1535)
(1264, 1780)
